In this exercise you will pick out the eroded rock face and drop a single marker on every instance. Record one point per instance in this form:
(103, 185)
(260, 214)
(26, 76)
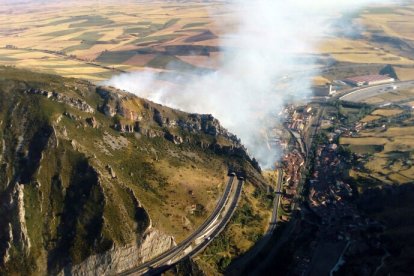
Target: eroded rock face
(152, 120)
(173, 138)
(115, 102)
(111, 171)
(16, 230)
(92, 122)
(9, 240)
(20, 235)
(207, 124)
(58, 97)
(120, 259)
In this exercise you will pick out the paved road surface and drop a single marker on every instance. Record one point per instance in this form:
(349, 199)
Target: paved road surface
(225, 220)
(364, 93)
(182, 250)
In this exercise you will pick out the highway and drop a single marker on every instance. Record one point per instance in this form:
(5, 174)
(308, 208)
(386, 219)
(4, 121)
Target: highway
(231, 209)
(214, 224)
(360, 94)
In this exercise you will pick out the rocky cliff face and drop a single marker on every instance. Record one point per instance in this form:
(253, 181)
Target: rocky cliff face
(84, 171)
(154, 120)
(118, 259)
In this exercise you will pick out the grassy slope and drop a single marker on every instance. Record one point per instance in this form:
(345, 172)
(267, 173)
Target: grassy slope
(71, 192)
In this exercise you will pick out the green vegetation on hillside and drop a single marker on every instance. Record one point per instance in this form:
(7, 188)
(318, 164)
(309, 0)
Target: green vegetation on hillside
(88, 185)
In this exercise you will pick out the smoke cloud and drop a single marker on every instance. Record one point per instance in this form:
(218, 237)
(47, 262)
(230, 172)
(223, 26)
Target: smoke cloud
(262, 67)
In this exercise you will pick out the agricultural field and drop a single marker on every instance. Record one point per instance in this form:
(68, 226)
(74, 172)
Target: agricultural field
(93, 42)
(360, 51)
(374, 36)
(402, 96)
(384, 146)
(386, 37)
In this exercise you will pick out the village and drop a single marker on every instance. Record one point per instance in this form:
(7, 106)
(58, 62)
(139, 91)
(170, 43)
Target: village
(315, 186)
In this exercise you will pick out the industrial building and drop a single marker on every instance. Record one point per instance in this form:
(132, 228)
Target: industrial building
(369, 80)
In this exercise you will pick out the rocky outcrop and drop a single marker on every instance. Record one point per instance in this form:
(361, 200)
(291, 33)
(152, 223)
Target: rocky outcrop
(3, 149)
(119, 259)
(207, 124)
(15, 233)
(92, 122)
(20, 236)
(58, 97)
(154, 243)
(111, 171)
(125, 128)
(173, 138)
(111, 105)
(8, 240)
(154, 120)
(158, 118)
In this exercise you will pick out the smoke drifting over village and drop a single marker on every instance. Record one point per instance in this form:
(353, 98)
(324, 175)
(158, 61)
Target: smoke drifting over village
(265, 50)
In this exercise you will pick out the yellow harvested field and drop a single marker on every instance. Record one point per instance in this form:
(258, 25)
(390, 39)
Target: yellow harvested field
(399, 95)
(374, 100)
(370, 118)
(378, 164)
(387, 112)
(399, 178)
(360, 51)
(398, 23)
(404, 74)
(399, 131)
(379, 22)
(405, 143)
(366, 141)
(408, 173)
(372, 57)
(343, 45)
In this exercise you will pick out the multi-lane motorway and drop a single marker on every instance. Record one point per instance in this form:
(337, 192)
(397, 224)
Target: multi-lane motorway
(199, 239)
(217, 230)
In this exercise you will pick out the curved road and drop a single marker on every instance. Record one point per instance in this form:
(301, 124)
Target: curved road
(232, 208)
(360, 94)
(211, 225)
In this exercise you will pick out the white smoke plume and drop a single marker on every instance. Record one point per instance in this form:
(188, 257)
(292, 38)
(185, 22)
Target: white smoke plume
(262, 51)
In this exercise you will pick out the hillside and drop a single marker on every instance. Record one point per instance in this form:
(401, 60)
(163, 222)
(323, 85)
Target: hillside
(96, 180)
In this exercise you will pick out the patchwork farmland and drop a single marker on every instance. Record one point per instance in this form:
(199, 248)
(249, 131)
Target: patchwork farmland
(93, 42)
